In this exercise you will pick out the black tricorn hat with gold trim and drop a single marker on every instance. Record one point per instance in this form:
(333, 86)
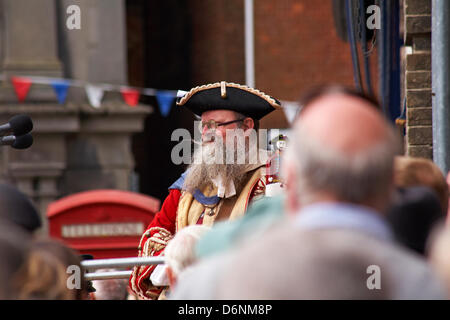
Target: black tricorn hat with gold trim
(229, 96)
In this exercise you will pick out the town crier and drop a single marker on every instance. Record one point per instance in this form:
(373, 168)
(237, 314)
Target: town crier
(225, 176)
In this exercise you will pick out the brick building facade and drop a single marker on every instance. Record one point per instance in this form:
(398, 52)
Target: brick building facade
(296, 47)
(417, 34)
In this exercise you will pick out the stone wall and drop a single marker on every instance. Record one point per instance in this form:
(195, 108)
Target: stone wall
(296, 47)
(76, 147)
(417, 26)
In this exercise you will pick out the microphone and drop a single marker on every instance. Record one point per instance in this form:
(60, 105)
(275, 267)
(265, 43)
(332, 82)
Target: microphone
(19, 125)
(20, 142)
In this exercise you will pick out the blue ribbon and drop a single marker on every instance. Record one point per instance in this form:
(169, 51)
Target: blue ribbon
(200, 197)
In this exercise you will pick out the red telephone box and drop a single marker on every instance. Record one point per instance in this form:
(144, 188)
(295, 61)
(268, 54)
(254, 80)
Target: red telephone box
(103, 223)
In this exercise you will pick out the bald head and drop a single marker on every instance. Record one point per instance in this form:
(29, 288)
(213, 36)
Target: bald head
(342, 150)
(344, 123)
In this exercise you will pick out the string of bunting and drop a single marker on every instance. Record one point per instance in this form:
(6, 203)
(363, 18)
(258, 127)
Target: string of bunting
(94, 91)
(131, 95)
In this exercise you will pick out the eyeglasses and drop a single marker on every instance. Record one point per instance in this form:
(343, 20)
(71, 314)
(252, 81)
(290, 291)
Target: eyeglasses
(212, 125)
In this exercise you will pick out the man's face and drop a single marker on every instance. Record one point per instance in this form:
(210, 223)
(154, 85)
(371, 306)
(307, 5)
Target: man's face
(219, 155)
(219, 116)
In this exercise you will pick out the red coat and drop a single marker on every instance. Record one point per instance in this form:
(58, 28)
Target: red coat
(156, 236)
(164, 219)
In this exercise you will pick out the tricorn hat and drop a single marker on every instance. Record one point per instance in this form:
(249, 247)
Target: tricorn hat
(229, 96)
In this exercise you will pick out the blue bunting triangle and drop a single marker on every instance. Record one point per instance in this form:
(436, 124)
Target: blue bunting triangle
(60, 87)
(165, 100)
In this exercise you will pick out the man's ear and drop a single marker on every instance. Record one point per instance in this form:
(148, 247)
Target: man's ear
(249, 123)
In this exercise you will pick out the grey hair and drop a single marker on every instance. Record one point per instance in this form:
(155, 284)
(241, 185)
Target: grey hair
(355, 178)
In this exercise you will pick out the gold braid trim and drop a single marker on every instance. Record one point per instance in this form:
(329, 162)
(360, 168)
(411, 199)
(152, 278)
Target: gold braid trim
(261, 94)
(151, 295)
(135, 288)
(259, 190)
(156, 242)
(241, 204)
(153, 244)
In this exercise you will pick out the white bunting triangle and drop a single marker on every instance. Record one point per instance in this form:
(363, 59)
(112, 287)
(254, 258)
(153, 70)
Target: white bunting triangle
(181, 93)
(94, 94)
(290, 109)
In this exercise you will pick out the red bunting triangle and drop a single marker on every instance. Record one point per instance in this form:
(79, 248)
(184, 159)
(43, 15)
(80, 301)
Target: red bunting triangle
(130, 96)
(21, 87)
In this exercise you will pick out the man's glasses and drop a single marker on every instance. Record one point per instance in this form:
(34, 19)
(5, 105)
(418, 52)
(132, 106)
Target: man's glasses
(212, 125)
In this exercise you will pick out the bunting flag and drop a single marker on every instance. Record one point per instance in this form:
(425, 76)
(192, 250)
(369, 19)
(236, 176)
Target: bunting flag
(131, 96)
(94, 94)
(181, 93)
(165, 99)
(60, 87)
(290, 109)
(21, 87)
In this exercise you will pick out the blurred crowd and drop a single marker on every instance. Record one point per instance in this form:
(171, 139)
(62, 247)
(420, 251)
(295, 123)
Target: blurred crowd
(356, 220)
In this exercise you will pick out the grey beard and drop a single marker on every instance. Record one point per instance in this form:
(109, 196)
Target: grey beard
(204, 167)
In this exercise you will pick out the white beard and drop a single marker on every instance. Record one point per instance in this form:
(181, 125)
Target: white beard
(209, 163)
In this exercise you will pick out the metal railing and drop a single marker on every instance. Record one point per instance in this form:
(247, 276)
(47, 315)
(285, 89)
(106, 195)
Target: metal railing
(91, 265)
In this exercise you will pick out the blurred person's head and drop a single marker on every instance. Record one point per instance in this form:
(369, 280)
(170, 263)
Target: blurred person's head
(410, 171)
(342, 150)
(17, 208)
(110, 289)
(180, 251)
(14, 246)
(413, 214)
(45, 276)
